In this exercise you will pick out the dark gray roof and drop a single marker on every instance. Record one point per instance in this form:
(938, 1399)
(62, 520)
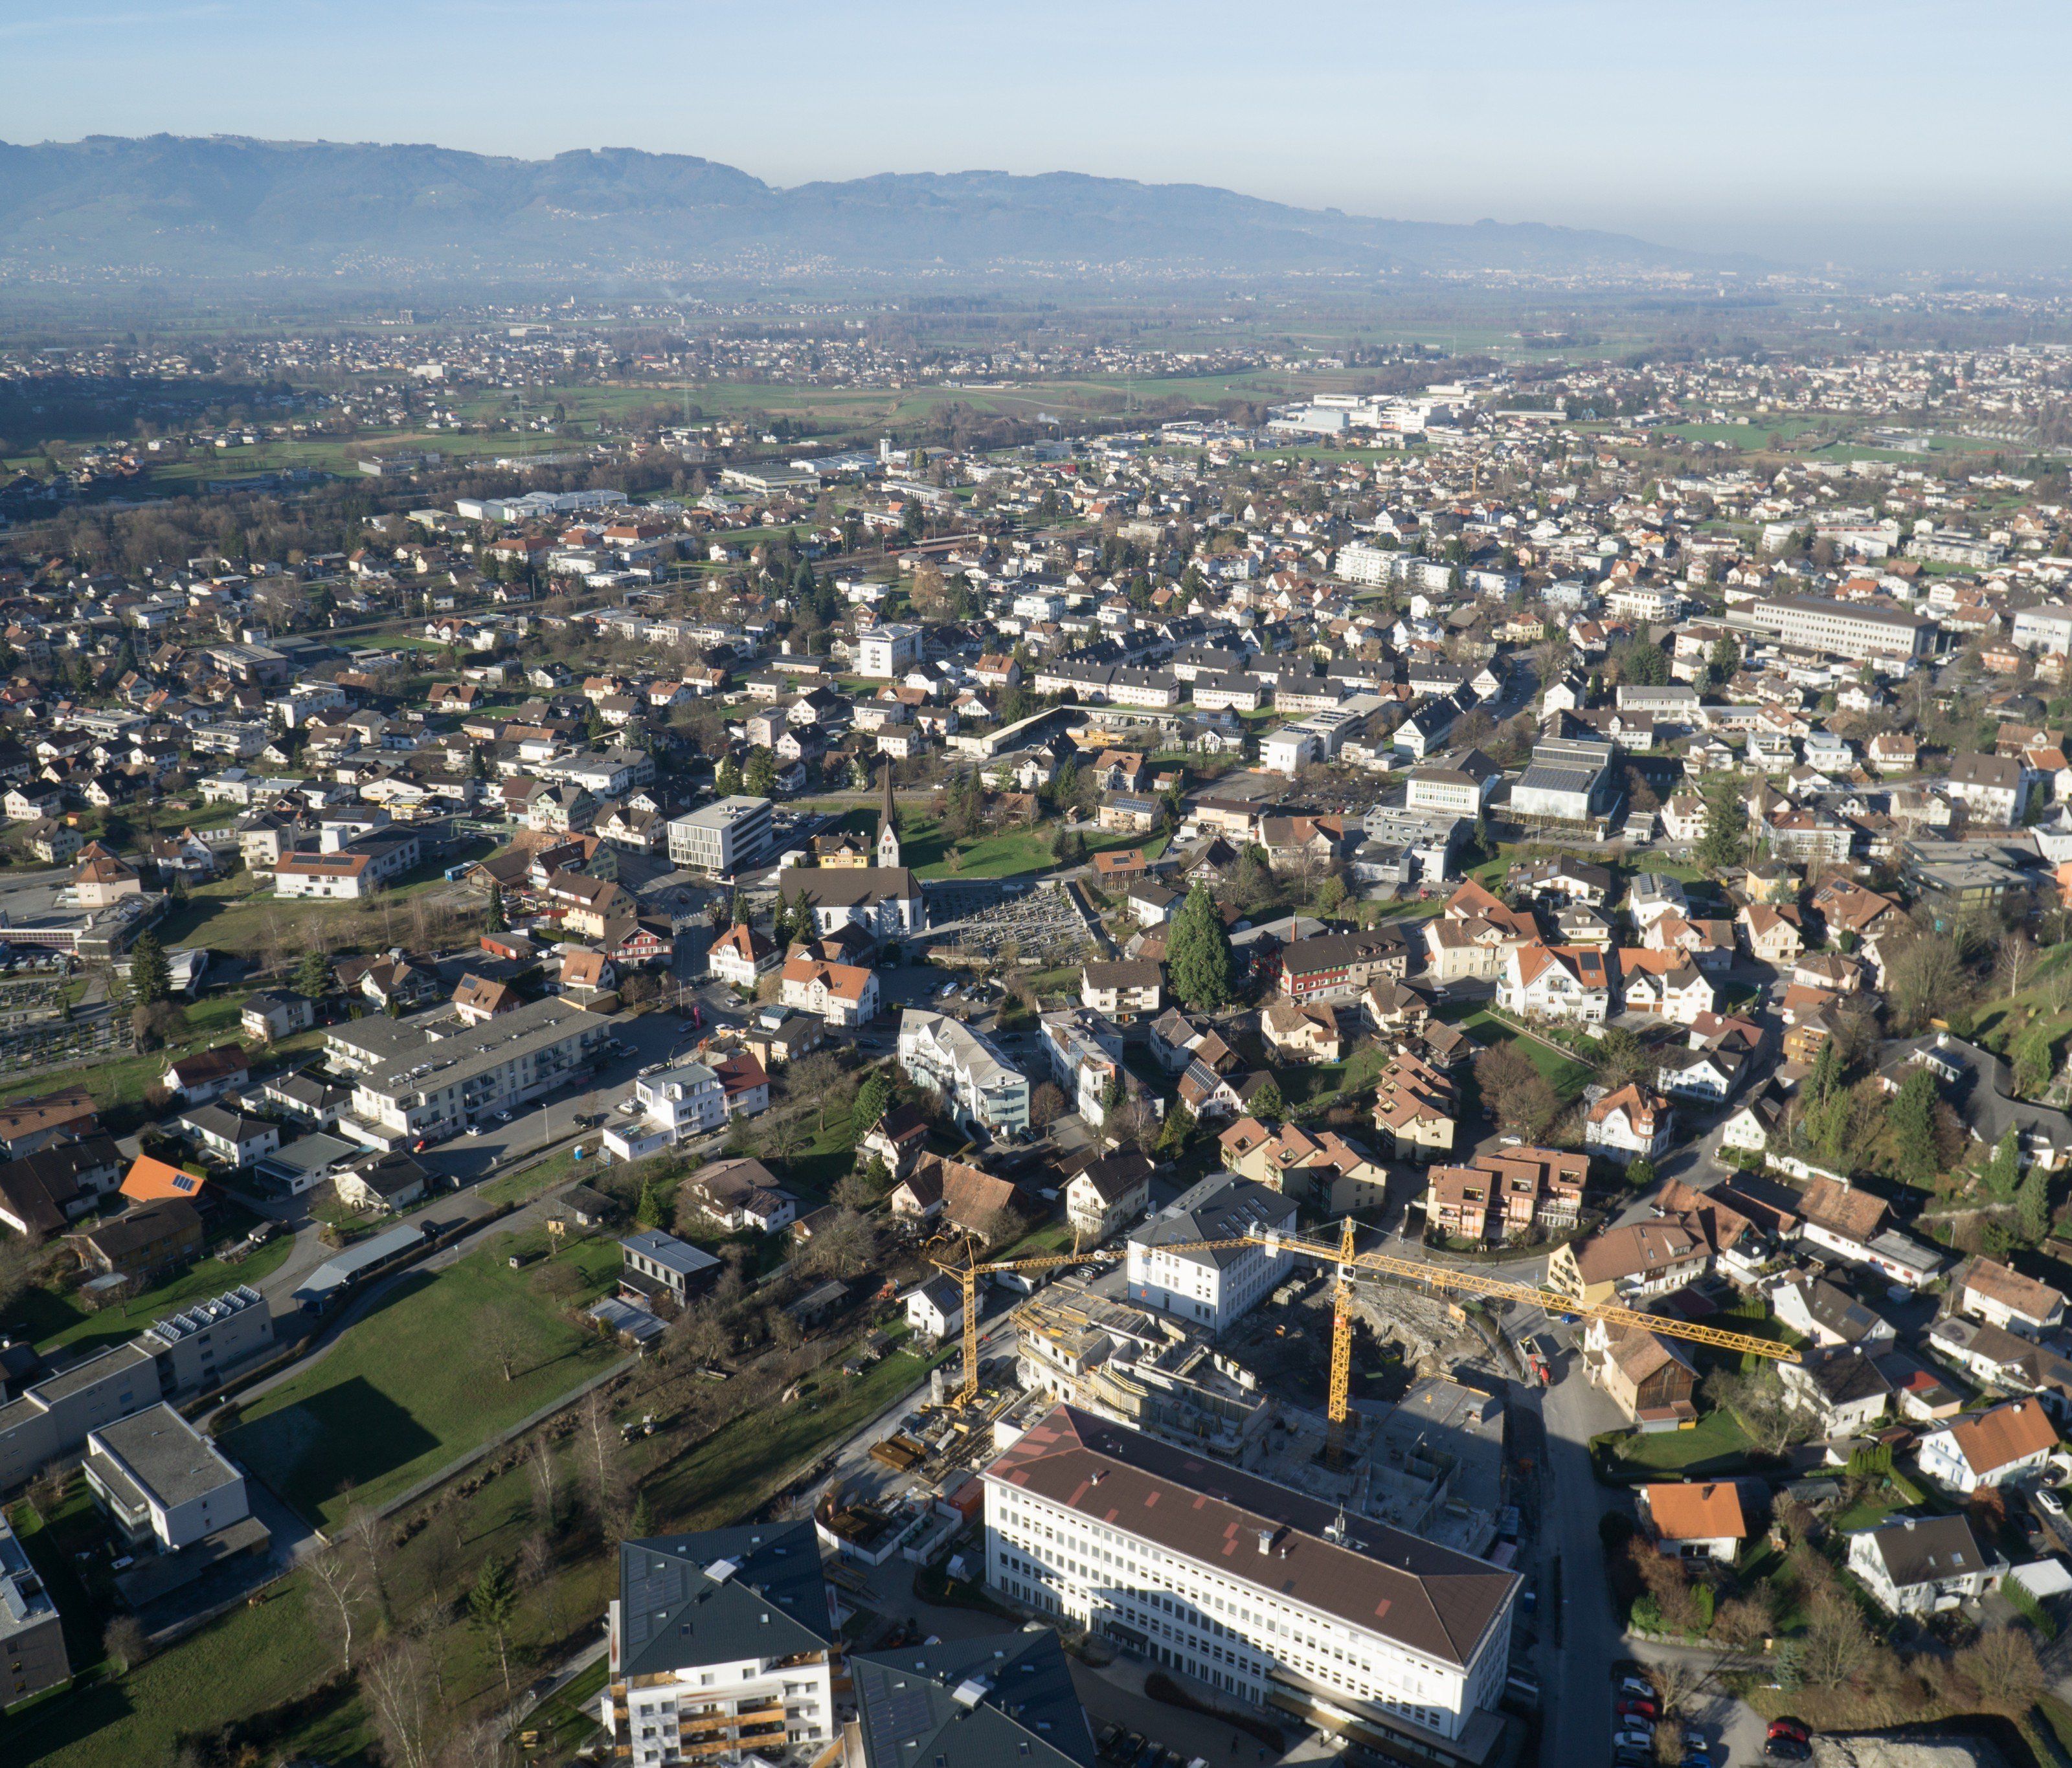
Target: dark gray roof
(1925, 1550)
(999, 1701)
(1221, 1207)
(754, 1591)
(1844, 1374)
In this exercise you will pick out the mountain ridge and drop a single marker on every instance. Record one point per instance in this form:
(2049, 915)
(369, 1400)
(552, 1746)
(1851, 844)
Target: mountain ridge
(196, 206)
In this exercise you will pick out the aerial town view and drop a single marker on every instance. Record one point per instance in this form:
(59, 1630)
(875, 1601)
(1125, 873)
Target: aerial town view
(813, 960)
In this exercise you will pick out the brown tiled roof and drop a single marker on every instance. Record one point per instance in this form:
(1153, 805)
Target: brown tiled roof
(1842, 1209)
(1993, 1439)
(1428, 1598)
(2024, 1294)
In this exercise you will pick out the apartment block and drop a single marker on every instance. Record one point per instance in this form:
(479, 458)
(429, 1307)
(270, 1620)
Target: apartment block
(1272, 1597)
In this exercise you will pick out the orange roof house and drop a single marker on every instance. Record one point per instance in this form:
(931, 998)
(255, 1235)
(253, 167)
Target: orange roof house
(152, 1181)
(1695, 1522)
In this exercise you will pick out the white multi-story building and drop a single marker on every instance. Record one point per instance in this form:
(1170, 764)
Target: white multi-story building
(723, 838)
(1085, 1050)
(1359, 562)
(349, 873)
(721, 1647)
(1209, 1287)
(1261, 1592)
(887, 653)
(162, 1483)
(429, 1077)
(981, 1089)
(668, 1108)
(1842, 629)
(2047, 628)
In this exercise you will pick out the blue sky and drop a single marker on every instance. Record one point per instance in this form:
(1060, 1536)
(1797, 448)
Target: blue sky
(1832, 128)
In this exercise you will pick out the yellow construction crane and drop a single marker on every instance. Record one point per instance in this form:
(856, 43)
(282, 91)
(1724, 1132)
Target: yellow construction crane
(1340, 1253)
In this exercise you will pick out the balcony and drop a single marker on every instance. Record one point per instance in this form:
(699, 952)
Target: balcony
(699, 1724)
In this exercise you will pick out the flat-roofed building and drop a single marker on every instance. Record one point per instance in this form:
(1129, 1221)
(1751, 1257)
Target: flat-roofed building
(163, 1485)
(32, 1648)
(731, 836)
(1844, 629)
(430, 1076)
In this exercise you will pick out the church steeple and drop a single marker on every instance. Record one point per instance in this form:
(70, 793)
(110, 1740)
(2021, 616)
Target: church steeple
(888, 823)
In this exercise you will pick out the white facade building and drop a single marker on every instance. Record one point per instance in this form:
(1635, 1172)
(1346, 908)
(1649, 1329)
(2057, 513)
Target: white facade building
(982, 1089)
(1253, 1588)
(1211, 1288)
(722, 838)
(671, 1107)
(887, 653)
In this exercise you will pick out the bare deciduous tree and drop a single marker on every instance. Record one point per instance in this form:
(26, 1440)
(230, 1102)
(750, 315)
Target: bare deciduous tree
(341, 1579)
(397, 1685)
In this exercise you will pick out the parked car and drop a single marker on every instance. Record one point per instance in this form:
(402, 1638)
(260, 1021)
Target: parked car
(1794, 1728)
(1698, 1758)
(1628, 1705)
(1788, 1749)
(1635, 1686)
(1633, 1735)
(2050, 1501)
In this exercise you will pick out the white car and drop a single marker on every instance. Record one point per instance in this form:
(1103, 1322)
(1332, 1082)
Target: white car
(474, 1130)
(2050, 1501)
(1633, 1734)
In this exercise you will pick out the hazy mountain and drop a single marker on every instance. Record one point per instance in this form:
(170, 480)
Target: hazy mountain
(225, 205)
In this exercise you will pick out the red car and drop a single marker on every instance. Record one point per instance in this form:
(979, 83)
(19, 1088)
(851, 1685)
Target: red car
(1789, 1728)
(1632, 1706)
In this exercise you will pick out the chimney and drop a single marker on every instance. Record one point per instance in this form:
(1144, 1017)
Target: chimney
(1266, 1540)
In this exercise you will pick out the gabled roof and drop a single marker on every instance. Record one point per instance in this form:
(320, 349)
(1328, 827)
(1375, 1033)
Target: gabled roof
(1993, 1439)
(149, 1180)
(1709, 1512)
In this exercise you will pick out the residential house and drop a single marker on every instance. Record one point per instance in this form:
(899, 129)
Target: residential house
(741, 956)
(1630, 1123)
(1648, 1376)
(2007, 1442)
(1841, 1386)
(1642, 1259)
(1924, 1565)
(1107, 1195)
(1302, 1031)
(1566, 982)
(1989, 1291)
(1122, 990)
(1701, 1520)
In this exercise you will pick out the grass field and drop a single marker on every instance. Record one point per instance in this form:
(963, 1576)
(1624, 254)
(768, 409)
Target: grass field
(391, 1403)
(1716, 1442)
(58, 1321)
(1567, 1074)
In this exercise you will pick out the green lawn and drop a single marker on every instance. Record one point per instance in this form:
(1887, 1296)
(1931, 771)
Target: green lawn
(392, 1402)
(251, 1660)
(1567, 1074)
(1308, 1089)
(58, 1320)
(1714, 1443)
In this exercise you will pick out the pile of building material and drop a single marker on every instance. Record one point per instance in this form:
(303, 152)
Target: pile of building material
(1871, 1751)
